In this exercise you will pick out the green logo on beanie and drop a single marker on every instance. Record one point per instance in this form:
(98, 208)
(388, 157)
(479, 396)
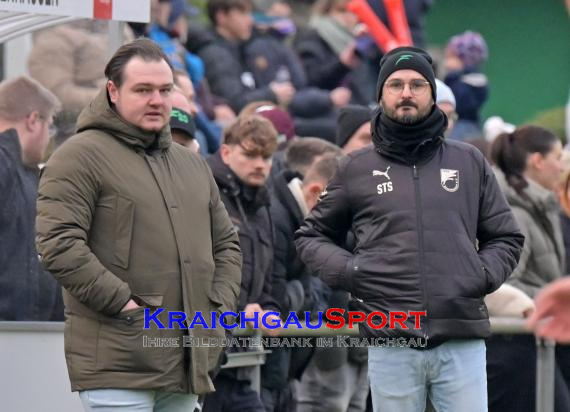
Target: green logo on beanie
(403, 57)
(180, 116)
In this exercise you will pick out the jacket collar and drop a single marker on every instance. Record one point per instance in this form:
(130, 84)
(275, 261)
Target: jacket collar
(285, 196)
(536, 196)
(100, 115)
(10, 141)
(541, 197)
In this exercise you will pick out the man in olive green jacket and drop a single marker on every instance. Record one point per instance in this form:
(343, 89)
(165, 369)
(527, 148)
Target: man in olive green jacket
(127, 220)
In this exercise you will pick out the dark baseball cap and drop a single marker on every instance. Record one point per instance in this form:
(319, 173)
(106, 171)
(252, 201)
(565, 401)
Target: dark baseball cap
(183, 121)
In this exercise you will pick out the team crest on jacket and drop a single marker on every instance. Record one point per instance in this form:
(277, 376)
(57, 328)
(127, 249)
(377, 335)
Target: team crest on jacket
(450, 179)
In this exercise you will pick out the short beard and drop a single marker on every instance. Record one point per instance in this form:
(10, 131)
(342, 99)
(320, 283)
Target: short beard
(406, 118)
(409, 118)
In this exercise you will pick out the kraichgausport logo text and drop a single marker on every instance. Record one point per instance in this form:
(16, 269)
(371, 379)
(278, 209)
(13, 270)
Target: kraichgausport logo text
(335, 319)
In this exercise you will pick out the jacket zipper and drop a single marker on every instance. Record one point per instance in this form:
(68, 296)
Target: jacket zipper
(416, 179)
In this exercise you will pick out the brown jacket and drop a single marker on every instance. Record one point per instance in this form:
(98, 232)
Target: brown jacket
(125, 213)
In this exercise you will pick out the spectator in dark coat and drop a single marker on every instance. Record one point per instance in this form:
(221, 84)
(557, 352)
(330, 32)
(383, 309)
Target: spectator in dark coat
(340, 372)
(284, 126)
(292, 201)
(241, 168)
(245, 66)
(27, 293)
(222, 50)
(353, 131)
(327, 49)
(314, 108)
(464, 55)
(382, 271)
(295, 288)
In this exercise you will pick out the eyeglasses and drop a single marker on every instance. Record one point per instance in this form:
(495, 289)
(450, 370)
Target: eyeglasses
(417, 87)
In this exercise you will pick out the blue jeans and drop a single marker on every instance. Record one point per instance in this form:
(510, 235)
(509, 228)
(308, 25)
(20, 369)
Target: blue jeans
(127, 400)
(453, 375)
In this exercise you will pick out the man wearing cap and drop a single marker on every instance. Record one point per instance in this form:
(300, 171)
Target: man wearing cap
(353, 132)
(433, 236)
(182, 125)
(183, 129)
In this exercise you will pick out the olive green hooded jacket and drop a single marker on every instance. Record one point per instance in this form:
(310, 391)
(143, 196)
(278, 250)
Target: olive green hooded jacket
(126, 213)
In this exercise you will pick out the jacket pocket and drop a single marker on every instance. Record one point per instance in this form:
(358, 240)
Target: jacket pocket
(124, 220)
(488, 287)
(482, 277)
(123, 345)
(470, 279)
(350, 273)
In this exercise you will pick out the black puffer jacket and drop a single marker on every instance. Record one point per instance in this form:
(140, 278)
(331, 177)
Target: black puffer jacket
(226, 69)
(270, 60)
(249, 212)
(287, 217)
(416, 232)
(324, 69)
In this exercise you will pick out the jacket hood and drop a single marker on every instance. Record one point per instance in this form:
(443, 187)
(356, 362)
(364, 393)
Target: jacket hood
(99, 115)
(225, 178)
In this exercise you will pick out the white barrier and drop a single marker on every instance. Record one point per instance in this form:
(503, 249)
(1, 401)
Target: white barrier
(33, 375)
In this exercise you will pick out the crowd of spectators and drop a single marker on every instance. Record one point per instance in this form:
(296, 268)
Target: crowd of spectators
(274, 108)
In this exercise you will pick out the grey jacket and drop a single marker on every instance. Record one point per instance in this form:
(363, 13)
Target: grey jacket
(542, 260)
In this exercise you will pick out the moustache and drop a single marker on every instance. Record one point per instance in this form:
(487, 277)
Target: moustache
(257, 174)
(407, 103)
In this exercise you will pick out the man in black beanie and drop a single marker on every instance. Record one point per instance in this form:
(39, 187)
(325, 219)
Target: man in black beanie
(433, 236)
(353, 130)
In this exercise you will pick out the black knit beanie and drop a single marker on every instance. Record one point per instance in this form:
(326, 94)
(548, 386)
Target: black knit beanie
(406, 58)
(350, 118)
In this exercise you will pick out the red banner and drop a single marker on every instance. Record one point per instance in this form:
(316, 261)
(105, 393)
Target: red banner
(103, 9)
(398, 21)
(379, 32)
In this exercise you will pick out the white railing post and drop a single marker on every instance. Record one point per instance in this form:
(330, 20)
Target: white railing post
(545, 366)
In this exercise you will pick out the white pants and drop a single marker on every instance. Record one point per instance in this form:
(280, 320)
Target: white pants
(127, 400)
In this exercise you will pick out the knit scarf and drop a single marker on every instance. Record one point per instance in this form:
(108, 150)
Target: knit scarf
(335, 35)
(408, 143)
